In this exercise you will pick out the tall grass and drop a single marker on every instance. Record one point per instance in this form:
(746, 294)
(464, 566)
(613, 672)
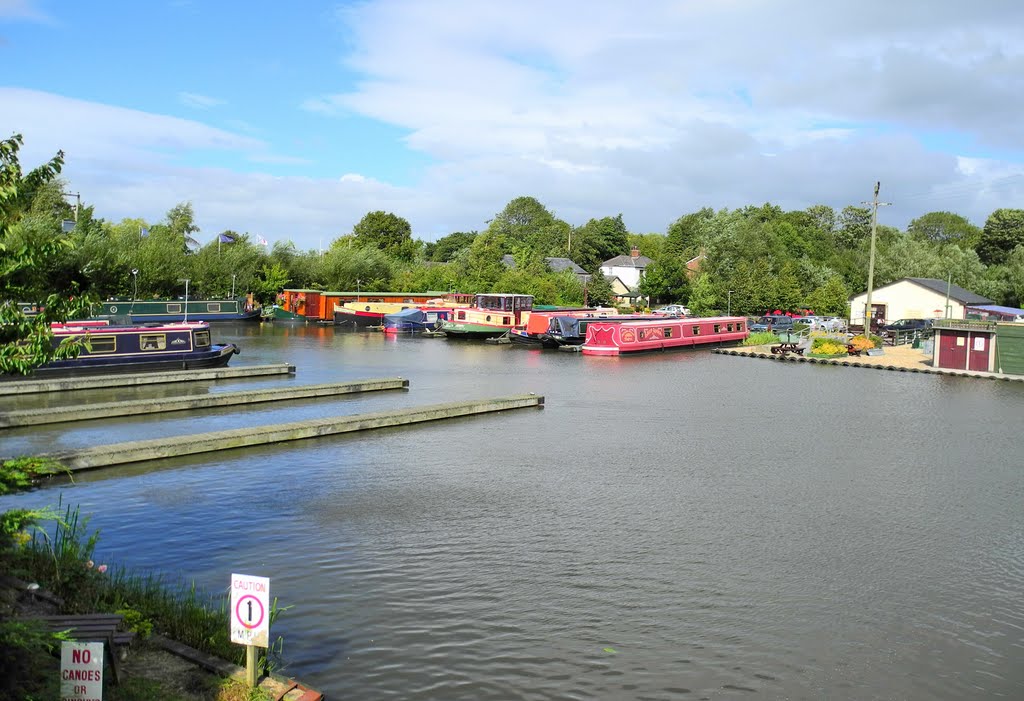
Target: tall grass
(61, 561)
(760, 338)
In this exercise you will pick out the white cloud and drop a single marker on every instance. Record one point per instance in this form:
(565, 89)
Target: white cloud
(22, 9)
(202, 102)
(595, 108)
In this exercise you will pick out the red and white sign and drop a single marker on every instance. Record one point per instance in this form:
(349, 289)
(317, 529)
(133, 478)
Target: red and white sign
(250, 610)
(81, 671)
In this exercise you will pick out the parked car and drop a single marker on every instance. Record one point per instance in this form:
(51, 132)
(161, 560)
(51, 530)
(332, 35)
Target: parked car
(834, 323)
(772, 322)
(908, 325)
(672, 310)
(812, 322)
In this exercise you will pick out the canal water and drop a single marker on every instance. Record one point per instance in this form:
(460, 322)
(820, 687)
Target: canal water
(674, 526)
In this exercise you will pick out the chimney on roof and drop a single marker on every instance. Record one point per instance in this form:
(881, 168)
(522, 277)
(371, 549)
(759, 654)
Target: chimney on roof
(635, 253)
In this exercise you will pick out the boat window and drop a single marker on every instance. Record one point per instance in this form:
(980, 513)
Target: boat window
(154, 341)
(728, 327)
(203, 338)
(488, 317)
(696, 331)
(462, 316)
(668, 332)
(174, 309)
(213, 307)
(101, 344)
(506, 320)
(718, 328)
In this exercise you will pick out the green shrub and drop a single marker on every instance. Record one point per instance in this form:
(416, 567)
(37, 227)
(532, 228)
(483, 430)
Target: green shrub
(760, 338)
(827, 347)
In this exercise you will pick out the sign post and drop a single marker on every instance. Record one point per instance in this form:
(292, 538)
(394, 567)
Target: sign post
(81, 671)
(250, 617)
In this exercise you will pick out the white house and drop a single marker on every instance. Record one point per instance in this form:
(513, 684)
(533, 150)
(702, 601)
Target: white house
(914, 298)
(629, 269)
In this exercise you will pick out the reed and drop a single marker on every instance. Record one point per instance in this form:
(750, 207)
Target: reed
(60, 560)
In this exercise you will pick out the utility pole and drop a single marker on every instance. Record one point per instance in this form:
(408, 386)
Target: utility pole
(875, 204)
(78, 201)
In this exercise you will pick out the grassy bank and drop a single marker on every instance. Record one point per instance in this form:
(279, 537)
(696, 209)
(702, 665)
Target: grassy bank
(55, 549)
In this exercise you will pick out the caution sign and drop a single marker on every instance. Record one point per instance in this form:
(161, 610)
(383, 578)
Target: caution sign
(250, 610)
(81, 671)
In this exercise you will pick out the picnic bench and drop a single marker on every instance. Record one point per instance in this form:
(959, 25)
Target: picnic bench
(93, 627)
(790, 343)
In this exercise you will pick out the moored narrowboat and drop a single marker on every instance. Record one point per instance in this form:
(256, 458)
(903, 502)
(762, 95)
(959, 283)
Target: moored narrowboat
(360, 315)
(490, 316)
(180, 310)
(108, 348)
(652, 335)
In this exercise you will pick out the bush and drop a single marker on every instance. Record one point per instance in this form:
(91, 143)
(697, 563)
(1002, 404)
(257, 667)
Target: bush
(760, 338)
(827, 347)
(863, 343)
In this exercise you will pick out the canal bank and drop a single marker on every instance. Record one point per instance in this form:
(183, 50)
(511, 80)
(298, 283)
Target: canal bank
(894, 358)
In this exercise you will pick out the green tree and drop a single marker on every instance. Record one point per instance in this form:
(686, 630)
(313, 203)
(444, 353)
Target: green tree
(1003, 232)
(822, 217)
(831, 298)
(447, 247)
(854, 226)
(27, 342)
(666, 281)
(598, 290)
(702, 295)
(598, 240)
(386, 232)
(481, 267)
(788, 296)
(945, 227)
(689, 233)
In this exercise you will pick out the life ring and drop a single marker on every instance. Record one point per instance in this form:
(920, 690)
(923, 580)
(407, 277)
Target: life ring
(113, 309)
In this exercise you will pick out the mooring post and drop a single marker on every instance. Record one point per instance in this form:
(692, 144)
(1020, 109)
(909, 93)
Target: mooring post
(250, 666)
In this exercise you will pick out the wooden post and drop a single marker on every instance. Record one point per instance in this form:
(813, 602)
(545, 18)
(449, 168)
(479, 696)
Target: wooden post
(250, 666)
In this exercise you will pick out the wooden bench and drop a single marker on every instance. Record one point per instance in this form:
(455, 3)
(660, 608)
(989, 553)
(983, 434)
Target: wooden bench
(93, 627)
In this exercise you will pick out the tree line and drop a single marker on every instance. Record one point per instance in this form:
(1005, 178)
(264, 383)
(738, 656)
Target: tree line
(750, 259)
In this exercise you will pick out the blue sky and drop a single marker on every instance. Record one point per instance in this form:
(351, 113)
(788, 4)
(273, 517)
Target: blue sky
(291, 121)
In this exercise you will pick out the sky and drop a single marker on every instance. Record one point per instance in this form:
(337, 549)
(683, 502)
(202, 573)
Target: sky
(291, 121)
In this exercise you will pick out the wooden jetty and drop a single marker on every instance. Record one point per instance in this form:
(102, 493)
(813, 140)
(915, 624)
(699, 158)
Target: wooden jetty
(155, 449)
(104, 410)
(16, 386)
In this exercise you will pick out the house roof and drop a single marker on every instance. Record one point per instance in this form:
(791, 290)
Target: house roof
(998, 309)
(627, 262)
(939, 286)
(955, 291)
(557, 265)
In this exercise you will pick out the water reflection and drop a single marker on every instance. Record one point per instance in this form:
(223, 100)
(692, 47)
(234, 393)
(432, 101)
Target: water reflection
(672, 526)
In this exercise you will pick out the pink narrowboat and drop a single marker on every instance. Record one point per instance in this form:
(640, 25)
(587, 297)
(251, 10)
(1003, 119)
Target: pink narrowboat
(641, 336)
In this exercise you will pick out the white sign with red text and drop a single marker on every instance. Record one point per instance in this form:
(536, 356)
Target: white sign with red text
(250, 610)
(81, 671)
